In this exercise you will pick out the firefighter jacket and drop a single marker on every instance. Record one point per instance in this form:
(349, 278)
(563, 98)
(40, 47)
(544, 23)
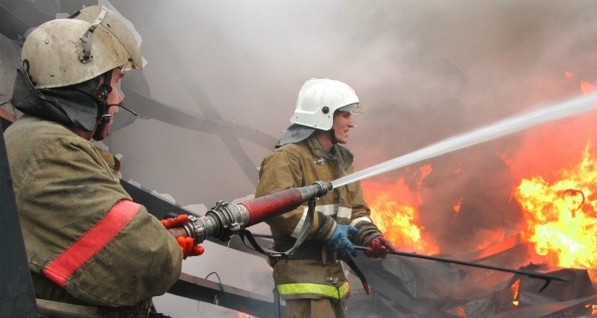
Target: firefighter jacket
(82, 232)
(310, 272)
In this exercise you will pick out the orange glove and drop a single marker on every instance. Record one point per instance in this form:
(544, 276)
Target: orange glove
(187, 244)
(379, 248)
(176, 221)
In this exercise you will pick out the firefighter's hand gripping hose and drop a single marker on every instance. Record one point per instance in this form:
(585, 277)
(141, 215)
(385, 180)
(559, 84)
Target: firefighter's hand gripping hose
(379, 247)
(187, 244)
(339, 241)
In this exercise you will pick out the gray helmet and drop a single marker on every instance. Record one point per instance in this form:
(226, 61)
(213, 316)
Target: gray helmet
(63, 52)
(64, 61)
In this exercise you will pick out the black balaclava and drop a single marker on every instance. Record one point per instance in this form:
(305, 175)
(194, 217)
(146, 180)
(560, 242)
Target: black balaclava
(79, 105)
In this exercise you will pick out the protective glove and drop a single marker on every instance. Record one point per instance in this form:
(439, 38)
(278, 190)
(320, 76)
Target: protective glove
(339, 240)
(187, 244)
(188, 247)
(174, 220)
(379, 248)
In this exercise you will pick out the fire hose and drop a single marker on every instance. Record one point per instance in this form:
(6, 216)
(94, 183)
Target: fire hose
(226, 219)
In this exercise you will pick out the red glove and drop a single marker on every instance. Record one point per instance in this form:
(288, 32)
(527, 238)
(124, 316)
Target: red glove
(176, 221)
(187, 244)
(378, 248)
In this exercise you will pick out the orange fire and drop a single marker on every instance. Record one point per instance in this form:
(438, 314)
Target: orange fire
(515, 289)
(586, 87)
(556, 193)
(394, 209)
(560, 215)
(461, 312)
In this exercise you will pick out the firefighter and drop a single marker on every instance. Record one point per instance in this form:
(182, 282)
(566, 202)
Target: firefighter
(90, 248)
(312, 280)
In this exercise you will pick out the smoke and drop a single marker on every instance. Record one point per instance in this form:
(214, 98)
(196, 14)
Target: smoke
(424, 71)
(228, 73)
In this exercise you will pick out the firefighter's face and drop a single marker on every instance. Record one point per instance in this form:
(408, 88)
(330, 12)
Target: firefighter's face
(342, 125)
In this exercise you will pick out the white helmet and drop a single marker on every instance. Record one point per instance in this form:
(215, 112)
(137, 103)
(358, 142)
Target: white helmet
(93, 41)
(317, 101)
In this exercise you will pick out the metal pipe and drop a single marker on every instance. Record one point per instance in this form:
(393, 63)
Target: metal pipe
(546, 278)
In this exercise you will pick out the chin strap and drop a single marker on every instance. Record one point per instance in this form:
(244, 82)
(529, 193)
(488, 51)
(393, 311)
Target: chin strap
(103, 116)
(333, 136)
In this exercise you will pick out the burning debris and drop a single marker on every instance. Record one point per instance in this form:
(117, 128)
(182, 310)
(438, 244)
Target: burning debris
(560, 215)
(408, 287)
(557, 236)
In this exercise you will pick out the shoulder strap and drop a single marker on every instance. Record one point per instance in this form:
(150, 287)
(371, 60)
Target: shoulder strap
(246, 234)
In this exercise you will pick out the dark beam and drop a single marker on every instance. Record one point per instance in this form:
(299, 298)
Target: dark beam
(16, 288)
(208, 291)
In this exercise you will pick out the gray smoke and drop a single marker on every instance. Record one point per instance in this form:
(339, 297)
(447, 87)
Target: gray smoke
(424, 71)
(229, 72)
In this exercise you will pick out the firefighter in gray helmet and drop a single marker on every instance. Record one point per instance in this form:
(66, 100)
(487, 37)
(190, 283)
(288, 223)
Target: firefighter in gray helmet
(69, 66)
(88, 244)
(312, 280)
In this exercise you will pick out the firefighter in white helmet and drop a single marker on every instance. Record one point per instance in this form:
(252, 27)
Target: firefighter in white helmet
(312, 281)
(87, 242)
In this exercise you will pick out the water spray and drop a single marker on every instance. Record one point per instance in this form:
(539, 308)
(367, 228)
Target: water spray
(502, 128)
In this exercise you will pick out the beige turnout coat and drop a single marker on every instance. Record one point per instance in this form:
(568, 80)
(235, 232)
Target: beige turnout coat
(85, 239)
(311, 273)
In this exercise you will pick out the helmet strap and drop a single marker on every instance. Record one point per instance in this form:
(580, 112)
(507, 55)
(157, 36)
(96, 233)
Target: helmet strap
(87, 38)
(103, 116)
(333, 136)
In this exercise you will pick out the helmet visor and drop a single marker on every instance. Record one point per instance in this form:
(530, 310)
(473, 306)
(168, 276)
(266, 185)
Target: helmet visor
(354, 108)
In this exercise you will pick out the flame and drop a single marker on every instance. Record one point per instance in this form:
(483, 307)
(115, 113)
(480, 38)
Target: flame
(586, 87)
(557, 198)
(458, 205)
(560, 215)
(515, 288)
(460, 312)
(394, 209)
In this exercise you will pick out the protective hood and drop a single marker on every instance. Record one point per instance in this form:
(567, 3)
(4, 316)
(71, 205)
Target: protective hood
(294, 134)
(73, 106)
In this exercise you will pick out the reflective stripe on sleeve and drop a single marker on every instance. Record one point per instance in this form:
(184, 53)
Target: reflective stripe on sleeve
(98, 236)
(313, 288)
(360, 219)
(344, 212)
(327, 209)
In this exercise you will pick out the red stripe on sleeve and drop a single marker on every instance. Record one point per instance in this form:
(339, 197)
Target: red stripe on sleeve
(76, 255)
